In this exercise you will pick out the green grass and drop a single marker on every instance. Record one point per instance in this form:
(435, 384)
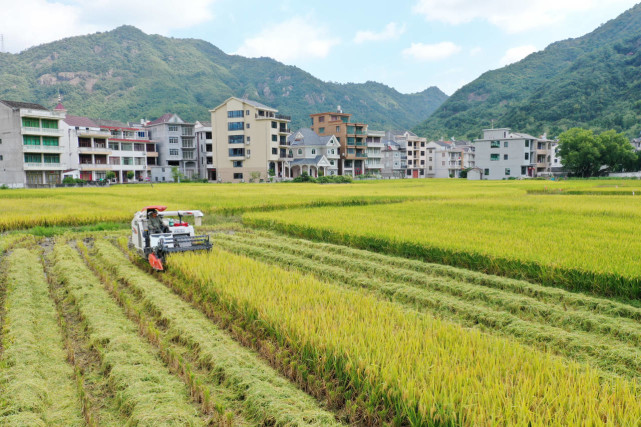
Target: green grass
(147, 393)
(55, 230)
(37, 385)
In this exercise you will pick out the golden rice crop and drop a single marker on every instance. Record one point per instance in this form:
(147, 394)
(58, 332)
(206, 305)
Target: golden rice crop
(422, 370)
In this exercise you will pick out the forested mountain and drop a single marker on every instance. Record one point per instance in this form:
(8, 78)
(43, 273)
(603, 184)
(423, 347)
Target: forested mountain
(126, 74)
(592, 81)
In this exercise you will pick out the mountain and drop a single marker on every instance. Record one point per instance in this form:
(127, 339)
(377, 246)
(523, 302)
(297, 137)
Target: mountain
(592, 81)
(126, 74)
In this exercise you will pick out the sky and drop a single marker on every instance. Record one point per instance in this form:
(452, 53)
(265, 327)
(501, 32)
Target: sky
(409, 45)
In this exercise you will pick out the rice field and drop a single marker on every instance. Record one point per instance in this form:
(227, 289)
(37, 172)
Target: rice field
(412, 302)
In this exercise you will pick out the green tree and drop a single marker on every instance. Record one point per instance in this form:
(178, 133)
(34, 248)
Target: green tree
(618, 154)
(176, 174)
(130, 175)
(110, 175)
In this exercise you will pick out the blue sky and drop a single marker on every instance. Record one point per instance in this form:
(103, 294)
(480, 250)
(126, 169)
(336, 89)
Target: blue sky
(406, 44)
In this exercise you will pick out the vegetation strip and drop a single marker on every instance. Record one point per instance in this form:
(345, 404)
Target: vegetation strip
(473, 378)
(36, 382)
(147, 392)
(268, 398)
(584, 336)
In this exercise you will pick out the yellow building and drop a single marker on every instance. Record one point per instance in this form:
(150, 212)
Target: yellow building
(247, 137)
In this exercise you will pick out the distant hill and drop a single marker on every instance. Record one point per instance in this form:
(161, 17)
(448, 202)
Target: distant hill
(592, 81)
(126, 74)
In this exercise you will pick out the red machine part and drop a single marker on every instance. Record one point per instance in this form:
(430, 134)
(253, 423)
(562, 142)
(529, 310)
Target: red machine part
(155, 263)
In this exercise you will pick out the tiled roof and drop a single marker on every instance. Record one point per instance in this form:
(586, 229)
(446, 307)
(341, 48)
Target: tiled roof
(110, 123)
(256, 104)
(18, 105)
(77, 121)
(162, 119)
(60, 107)
(312, 162)
(309, 138)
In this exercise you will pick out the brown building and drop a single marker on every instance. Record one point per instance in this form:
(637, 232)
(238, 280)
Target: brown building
(351, 136)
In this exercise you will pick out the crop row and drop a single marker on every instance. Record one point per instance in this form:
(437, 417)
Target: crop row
(266, 397)
(37, 385)
(525, 238)
(607, 341)
(428, 371)
(146, 392)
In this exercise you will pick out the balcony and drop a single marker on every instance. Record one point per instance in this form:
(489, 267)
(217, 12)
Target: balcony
(96, 133)
(361, 155)
(95, 167)
(94, 150)
(377, 155)
(283, 117)
(28, 112)
(378, 133)
(41, 131)
(42, 149)
(188, 146)
(43, 166)
(283, 129)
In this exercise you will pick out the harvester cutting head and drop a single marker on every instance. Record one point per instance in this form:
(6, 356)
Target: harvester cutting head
(155, 232)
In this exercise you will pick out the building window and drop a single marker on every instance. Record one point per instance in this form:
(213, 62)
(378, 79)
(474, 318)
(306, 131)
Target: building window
(527, 143)
(235, 126)
(321, 119)
(32, 158)
(274, 125)
(495, 144)
(527, 156)
(173, 128)
(238, 175)
(274, 138)
(274, 150)
(234, 113)
(236, 139)
(494, 157)
(247, 112)
(247, 126)
(114, 146)
(30, 140)
(237, 163)
(504, 156)
(126, 146)
(313, 151)
(173, 152)
(486, 172)
(523, 170)
(249, 139)
(300, 151)
(173, 140)
(430, 167)
(236, 152)
(142, 134)
(505, 144)
(338, 129)
(507, 171)
(1, 158)
(321, 130)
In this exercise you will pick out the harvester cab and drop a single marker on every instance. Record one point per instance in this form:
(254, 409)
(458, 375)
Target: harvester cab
(155, 232)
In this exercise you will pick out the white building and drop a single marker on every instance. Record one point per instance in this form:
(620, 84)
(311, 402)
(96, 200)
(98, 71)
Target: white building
(374, 152)
(308, 152)
(205, 146)
(446, 159)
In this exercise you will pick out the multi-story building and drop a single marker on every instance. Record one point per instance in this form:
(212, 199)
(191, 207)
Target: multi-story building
(351, 136)
(31, 151)
(176, 143)
(205, 146)
(247, 141)
(502, 154)
(416, 152)
(308, 152)
(374, 160)
(394, 157)
(446, 159)
(88, 148)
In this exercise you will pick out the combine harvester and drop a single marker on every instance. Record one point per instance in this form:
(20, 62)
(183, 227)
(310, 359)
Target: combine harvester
(175, 236)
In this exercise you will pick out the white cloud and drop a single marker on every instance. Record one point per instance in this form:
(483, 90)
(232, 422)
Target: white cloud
(475, 51)
(391, 31)
(431, 52)
(26, 23)
(512, 16)
(515, 54)
(298, 38)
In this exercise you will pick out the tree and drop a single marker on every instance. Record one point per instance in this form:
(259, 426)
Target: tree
(176, 174)
(130, 175)
(110, 175)
(585, 154)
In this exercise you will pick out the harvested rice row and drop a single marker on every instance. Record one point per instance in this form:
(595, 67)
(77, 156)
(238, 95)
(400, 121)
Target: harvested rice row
(623, 359)
(37, 385)
(267, 398)
(403, 366)
(148, 394)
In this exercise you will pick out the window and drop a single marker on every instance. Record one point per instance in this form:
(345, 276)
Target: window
(114, 160)
(173, 128)
(247, 112)
(127, 161)
(313, 151)
(50, 141)
(30, 140)
(28, 122)
(504, 156)
(142, 134)
(527, 143)
(507, 171)
(321, 130)
(523, 170)
(494, 157)
(237, 163)
(495, 144)
(174, 152)
(114, 146)
(274, 150)
(321, 119)
(1, 158)
(235, 113)
(338, 129)
(235, 126)
(238, 176)
(486, 172)
(248, 139)
(527, 156)
(274, 125)
(505, 144)
(188, 155)
(274, 138)
(247, 126)
(32, 158)
(236, 152)
(173, 140)
(126, 146)
(236, 139)
(300, 151)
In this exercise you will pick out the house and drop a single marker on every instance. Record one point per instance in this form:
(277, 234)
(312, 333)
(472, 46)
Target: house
(248, 138)
(374, 160)
(394, 157)
(32, 153)
(416, 152)
(311, 153)
(176, 143)
(205, 145)
(446, 159)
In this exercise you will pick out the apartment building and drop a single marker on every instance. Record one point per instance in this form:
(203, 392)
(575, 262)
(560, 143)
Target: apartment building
(415, 147)
(248, 138)
(310, 153)
(503, 154)
(374, 160)
(394, 157)
(446, 159)
(204, 142)
(176, 144)
(31, 151)
(351, 136)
